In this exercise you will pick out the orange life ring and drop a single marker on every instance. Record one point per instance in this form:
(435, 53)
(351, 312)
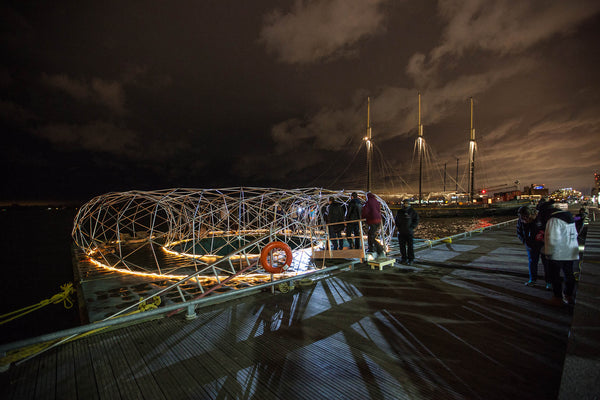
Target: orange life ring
(264, 254)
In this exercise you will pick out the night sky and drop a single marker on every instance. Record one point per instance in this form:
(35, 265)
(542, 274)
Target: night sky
(122, 95)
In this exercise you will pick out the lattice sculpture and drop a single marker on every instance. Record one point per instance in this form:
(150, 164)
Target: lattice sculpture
(177, 232)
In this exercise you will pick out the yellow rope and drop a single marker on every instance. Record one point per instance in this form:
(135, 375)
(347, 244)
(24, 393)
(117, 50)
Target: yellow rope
(62, 297)
(19, 354)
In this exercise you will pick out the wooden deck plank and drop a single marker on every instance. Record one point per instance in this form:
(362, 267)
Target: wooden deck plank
(341, 254)
(192, 367)
(273, 353)
(209, 374)
(162, 376)
(230, 357)
(365, 352)
(87, 387)
(430, 333)
(150, 341)
(105, 377)
(374, 377)
(140, 372)
(249, 370)
(46, 380)
(207, 383)
(122, 373)
(66, 385)
(23, 382)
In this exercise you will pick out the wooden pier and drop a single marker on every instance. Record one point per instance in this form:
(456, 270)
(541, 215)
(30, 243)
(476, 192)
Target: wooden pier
(459, 324)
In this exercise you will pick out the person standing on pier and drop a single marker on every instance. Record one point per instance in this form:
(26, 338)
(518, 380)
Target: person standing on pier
(528, 228)
(561, 249)
(353, 228)
(371, 211)
(545, 208)
(406, 220)
(335, 214)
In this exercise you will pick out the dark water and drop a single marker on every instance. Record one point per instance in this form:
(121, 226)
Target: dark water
(432, 228)
(35, 258)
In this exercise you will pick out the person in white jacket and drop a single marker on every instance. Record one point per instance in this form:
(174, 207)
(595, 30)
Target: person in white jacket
(561, 249)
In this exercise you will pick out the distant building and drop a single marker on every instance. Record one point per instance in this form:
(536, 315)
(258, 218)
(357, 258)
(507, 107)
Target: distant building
(508, 196)
(596, 189)
(534, 192)
(566, 195)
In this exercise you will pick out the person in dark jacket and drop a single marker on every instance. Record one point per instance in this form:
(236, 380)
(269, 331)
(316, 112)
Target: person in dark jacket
(581, 219)
(335, 214)
(406, 220)
(371, 211)
(353, 228)
(528, 228)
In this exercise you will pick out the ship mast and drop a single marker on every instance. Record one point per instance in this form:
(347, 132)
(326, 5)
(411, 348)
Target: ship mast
(369, 144)
(472, 156)
(420, 146)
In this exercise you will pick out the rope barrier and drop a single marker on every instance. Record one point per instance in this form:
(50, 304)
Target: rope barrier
(62, 297)
(23, 353)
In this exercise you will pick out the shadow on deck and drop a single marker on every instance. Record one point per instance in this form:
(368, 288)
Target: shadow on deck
(452, 332)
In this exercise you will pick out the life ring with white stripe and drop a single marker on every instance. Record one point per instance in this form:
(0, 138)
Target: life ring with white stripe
(265, 255)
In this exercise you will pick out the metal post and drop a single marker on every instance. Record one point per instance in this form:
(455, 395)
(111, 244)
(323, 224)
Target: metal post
(369, 145)
(420, 145)
(456, 190)
(362, 240)
(445, 177)
(472, 156)
(191, 312)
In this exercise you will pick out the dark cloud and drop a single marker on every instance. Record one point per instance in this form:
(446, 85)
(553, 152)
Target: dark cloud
(97, 136)
(107, 93)
(120, 95)
(321, 30)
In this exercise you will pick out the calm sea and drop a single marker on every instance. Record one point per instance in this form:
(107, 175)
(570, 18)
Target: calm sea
(35, 258)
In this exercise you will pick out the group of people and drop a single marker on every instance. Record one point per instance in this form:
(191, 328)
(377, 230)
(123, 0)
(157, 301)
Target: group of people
(406, 221)
(550, 234)
(338, 220)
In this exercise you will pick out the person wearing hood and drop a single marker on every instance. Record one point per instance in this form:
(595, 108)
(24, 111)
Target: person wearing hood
(561, 249)
(371, 211)
(406, 220)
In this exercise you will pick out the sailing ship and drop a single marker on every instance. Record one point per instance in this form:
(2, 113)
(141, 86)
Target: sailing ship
(446, 204)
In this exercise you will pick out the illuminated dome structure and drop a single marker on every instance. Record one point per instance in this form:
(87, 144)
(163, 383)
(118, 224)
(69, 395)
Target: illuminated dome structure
(218, 232)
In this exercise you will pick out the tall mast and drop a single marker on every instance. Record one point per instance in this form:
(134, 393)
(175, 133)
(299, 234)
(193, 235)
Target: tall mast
(472, 156)
(445, 177)
(369, 144)
(420, 146)
(456, 181)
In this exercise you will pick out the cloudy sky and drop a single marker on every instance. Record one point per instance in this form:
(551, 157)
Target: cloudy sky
(112, 96)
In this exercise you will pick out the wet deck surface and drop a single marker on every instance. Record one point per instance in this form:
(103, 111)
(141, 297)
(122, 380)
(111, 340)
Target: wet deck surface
(469, 330)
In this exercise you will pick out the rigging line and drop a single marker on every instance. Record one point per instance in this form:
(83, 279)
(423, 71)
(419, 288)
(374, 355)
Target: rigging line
(497, 167)
(325, 170)
(383, 171)
(391, 168)
(482, 168)
(348, 164)
(415, 152)
(433, 155)
(386, 171)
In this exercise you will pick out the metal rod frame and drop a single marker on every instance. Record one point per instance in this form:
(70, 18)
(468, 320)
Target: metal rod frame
(204, 232)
